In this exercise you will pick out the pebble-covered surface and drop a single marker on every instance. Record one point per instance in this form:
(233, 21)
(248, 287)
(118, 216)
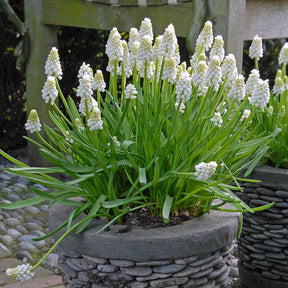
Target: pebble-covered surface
(19, 227)
(263, 246)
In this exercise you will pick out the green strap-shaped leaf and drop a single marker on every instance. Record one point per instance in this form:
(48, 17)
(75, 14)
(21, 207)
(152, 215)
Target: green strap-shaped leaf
(167, 208)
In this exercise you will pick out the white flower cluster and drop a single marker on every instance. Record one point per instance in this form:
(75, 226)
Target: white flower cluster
(49, 91)
(21, 272)
(52, 65)
(98, 81)
(94, 122)
(85, 69)
(205, 38)
(229, 70)
(278, 87)
(217, 48)
(204, 170)
(261, 94)
(217, 119)
(214, 73)
(130, 92)
(245, 115)
(184, 87)
(237, 91)
(283, 56)
(84, 89)
(256, 50)
(114, 47)
(33, 123)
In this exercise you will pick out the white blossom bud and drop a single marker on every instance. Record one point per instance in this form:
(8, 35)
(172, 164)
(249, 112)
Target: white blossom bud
(214, 73)
(53, 66)
(204, 170)
(278, 87)
(133, 36)
(217, 48)
(256, 50)
(261, 94)
(283, 56)
(245, 115)
(169, 70)
(85, 69)
(229, 70)
(145, 52)
(21, 272)
(94, 122)
(237, 90)
(79, 124)
(33, 123)
(114, 47)
(184, 87)
(217, 119)
(205, 38)
(84, 89)
(168, 43)
(126, 60)
(252, 81)
(130, 92)
(98, 82)
(146, 29)
(49, 91)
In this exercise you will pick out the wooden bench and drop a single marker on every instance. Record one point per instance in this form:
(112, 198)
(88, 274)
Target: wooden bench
(235, 20)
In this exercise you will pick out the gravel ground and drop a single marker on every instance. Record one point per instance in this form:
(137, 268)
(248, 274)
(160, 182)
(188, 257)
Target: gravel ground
(19, 227)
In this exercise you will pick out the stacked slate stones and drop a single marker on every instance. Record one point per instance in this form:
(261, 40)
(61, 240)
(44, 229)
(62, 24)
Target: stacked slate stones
(210, 270)
(263, 245)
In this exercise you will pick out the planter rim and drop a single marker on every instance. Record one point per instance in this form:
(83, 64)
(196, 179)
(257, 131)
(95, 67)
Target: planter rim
(197, 236)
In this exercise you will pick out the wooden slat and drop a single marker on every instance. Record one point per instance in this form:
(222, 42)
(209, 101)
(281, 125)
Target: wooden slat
(91, 15)
(266, 18)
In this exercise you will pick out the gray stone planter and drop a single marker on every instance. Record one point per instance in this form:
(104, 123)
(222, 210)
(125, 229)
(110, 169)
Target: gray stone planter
(263, 245)
(192, 254)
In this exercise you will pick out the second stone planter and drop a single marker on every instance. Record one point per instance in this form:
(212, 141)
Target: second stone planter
(192, 254)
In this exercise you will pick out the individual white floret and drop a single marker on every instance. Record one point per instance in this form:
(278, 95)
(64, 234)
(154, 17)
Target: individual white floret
(114, 47)
(52, 65)
(217, 119)
(84, 89)
(237, 90)
(49, 91)
(94, 122)
(85, 69)
(256, 49)
(184, 87)
(21, 272)
(261, 94)
(205, 38)
(204, 170)
(130, 92)
(278, 87)
(214, 73)
(98, 82)
(218, 48)
(283, 56)
(33, 123)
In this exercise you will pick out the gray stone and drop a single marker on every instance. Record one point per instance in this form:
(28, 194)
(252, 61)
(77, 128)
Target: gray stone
(4, 251)
(281, 267)
(279, 256)
(122, 263)
(282, 193)
(5, 177)
(99, 285)
(69, 271)
(281, 204)
(234, 272)
(28, 246)
(119, 276)
(223, 277)
(194, 283)
(168, 282)
(258, 227)
(44, 208)
(257, 256)
(186, 260)
(265, 191)
(217, 272)
(32, 210)
(171, 268)
(6, 239)
(70, 253)
(154, 276)
(282, 241)
(137, 271)
(282, 221)
(272, 199)
(6, 191)
(32, 226)
(270, 275)
(108, 268)
(29, 238)
(13, 233)
(273, 235)
(2, 228)
(72, 266)
(13, 197)
(11, 222)
(154, 263)
(23, 254)
(273, 226)
(84, 264)
(139, 284)
(280, 273)
(259, 236)
(38, 233)
(203, 261)
(258, 202)
(211, 263)
(252, 195)
(187, 271)
(267, 248)
(274, 242)
(262, 263)
(51, 261)
(95, 259)
(83, 276)
(201, 273)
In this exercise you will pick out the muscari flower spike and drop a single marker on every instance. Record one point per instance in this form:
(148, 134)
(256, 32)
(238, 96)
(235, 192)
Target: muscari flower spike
(84, 89)
(184, 87)
(114, 47)
(33, 123)
(283, 56)
(98, 82)
(217, 48)
(49, 91)
(278, 87)
(52, 65)
(256, 49)
(130, 92)
(85, 69)
(261, 94)
(21, 272)
(145, 29)
(94, 122)
(217, 119)
(205, 38)
(204, 170)
(214, 73)
(237, 90)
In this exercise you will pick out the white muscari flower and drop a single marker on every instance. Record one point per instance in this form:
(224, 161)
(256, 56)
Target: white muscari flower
(68, 137)
(114, 47)
(84, 89)
(204, 170)
(157, 52)
(33, 123)
(130, 92)
(115, 140)
(229, 70)
(169, 70)
(79, 124)
(184, 87)
(94, 122)
(198, 75)
(261, 94)
(217, 48)
(21, 272)
(52, 65)
(282, 111)
(205, 38)
(133, 54)
(217, 119)
(49, 91)
(126, 60)
(133, 36)
(145, 51)
(98, 82)
(252, 81)
(90, 102)
(181, 108)
(278, 87)
(237, 90)
(246, 114)
(270, 110)
(256, 49)
(180, 69)
(214, 73)
(283, 56)
(111, 67)
(85, 69)
(150, 69)
(145, 29)
(169, 41)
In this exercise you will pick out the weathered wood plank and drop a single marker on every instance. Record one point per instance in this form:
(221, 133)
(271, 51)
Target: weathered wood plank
(42, 38)
(266, 18)
(99, 16)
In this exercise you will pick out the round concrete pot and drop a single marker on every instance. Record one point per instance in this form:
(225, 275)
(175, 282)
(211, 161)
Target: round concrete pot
(263, 244)
(192, 254)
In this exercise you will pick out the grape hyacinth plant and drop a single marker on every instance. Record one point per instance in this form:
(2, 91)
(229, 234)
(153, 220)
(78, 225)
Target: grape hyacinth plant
(161, 134)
